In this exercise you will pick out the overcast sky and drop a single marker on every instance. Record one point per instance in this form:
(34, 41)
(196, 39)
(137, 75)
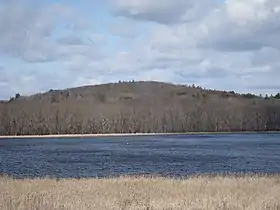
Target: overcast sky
(230, 45)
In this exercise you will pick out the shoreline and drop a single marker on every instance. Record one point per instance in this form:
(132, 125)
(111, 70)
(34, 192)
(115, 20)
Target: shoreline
(128, 134)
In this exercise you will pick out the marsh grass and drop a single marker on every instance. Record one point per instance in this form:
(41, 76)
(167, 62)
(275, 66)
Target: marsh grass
(142, 193)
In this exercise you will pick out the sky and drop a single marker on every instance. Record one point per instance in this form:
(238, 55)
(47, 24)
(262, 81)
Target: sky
(217, 44)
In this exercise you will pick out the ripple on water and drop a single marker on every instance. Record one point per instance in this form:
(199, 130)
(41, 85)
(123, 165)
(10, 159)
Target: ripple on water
(174, 155)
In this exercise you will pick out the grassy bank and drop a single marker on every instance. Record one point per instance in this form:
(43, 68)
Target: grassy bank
(251, 193)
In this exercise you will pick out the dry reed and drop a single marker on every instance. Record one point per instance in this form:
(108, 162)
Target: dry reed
(142, 193)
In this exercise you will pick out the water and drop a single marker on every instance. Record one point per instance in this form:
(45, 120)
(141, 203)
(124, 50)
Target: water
(176, 155)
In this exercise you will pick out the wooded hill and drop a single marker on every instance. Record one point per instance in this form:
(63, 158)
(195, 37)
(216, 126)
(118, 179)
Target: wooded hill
(137, 107)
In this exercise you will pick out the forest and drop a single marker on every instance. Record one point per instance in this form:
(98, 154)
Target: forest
(138, 107)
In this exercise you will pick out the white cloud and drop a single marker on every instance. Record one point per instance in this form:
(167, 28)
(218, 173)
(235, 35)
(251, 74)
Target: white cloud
(242, 25)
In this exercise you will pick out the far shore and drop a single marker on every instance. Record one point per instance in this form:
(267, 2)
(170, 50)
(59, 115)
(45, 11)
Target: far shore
(125, 134)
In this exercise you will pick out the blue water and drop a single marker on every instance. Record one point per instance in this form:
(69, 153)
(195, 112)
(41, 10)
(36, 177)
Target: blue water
(175, 155)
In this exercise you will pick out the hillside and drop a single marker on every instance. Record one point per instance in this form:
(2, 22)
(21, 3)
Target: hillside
(127, 107)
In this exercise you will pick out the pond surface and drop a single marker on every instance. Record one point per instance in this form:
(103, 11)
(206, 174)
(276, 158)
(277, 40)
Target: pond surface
(174, 155)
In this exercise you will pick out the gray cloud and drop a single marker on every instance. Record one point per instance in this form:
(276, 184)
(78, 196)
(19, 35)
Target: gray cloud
(26, 28)
(70, 40)
(265, 88)
(16, 23)
(165, 11)
(267, 55)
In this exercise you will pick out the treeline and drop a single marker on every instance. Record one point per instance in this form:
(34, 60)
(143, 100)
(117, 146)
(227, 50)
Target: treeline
(166, 109)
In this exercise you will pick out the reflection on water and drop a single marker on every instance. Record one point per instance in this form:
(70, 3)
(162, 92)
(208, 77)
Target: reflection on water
(176, 155)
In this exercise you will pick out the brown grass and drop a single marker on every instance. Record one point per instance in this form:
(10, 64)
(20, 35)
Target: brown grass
(249, 192)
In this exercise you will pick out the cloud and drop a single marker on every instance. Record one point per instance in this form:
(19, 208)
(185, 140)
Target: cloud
(256, 23)
(231, 44)
(27, 29)
(43, 46)
(165, 11)
(242, 25)
(126, 28)
(14, 38)
(70, 40)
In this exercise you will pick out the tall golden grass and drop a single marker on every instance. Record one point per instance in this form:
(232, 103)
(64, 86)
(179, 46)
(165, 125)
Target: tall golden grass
(142, 193)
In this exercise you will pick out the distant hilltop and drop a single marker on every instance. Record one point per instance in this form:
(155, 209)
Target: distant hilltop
(138, 107)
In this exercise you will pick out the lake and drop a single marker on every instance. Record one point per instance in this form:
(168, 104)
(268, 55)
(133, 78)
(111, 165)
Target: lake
(172, 155)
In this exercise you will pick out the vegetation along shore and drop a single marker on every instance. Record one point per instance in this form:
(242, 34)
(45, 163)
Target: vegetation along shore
(211, 193)
(137, 107)
(130, 134)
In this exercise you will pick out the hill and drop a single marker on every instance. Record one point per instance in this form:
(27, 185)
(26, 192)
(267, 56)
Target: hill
(136, 107)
